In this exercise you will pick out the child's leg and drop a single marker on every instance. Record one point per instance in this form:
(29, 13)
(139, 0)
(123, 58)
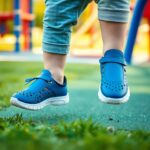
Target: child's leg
(113, 35)
(113, 16)
(51, 86)
(55, 63)
(58, 20)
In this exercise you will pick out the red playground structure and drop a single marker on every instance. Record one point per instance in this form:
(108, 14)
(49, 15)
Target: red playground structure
(22, 18)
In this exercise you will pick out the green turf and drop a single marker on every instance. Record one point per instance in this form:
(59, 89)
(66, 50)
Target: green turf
(16, 134)
(83, 83)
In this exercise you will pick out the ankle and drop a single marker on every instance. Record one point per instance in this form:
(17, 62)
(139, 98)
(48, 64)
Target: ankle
(107, 48)
(58, 75)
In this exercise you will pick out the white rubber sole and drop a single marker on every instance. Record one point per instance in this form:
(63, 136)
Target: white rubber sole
(109, 100)
(62, 100)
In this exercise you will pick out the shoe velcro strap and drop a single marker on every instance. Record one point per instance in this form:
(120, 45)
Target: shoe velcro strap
(47, 78)
(38, 77)
(112, 60)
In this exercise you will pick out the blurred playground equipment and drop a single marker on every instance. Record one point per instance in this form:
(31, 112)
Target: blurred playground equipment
(86, 38)
(142, 9)
(20, 12)
(87, 30)
(88, 25)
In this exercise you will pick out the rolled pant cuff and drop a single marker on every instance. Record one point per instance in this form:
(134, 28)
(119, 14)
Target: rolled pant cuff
(54, 48)
(113, 15)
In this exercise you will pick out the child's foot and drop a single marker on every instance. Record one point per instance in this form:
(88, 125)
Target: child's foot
(114, 87)
(42, 92)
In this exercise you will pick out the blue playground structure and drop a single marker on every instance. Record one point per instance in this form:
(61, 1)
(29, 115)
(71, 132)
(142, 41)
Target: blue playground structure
(137, 15)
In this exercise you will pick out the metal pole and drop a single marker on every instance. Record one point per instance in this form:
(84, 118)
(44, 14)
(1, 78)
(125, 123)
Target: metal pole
(137, 15)
(30, 25)
(17, 24)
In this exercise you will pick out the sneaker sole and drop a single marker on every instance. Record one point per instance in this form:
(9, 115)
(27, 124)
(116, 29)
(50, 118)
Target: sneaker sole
(110, 100)
(57, 101)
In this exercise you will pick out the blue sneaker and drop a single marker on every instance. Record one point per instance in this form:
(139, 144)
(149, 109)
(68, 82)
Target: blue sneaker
(42, 92)
(114, 87)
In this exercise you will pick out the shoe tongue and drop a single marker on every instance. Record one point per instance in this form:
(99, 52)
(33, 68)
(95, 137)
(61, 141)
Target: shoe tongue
(113, 53)
(113, 70)
(45, 74)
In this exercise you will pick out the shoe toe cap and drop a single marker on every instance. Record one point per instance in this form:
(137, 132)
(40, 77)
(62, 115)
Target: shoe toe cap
(23, 97)
(113, 89)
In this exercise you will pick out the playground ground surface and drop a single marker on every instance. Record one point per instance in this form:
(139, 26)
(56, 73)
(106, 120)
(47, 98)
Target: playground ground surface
(85, 123)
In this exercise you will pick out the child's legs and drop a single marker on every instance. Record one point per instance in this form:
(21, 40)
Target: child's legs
(59, 17)
(113, 35)
(113, 16)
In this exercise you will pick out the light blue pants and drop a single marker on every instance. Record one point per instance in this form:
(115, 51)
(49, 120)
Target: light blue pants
(61, 15)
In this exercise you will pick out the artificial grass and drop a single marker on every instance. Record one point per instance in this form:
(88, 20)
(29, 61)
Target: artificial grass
(69, 127)
(15, 133)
